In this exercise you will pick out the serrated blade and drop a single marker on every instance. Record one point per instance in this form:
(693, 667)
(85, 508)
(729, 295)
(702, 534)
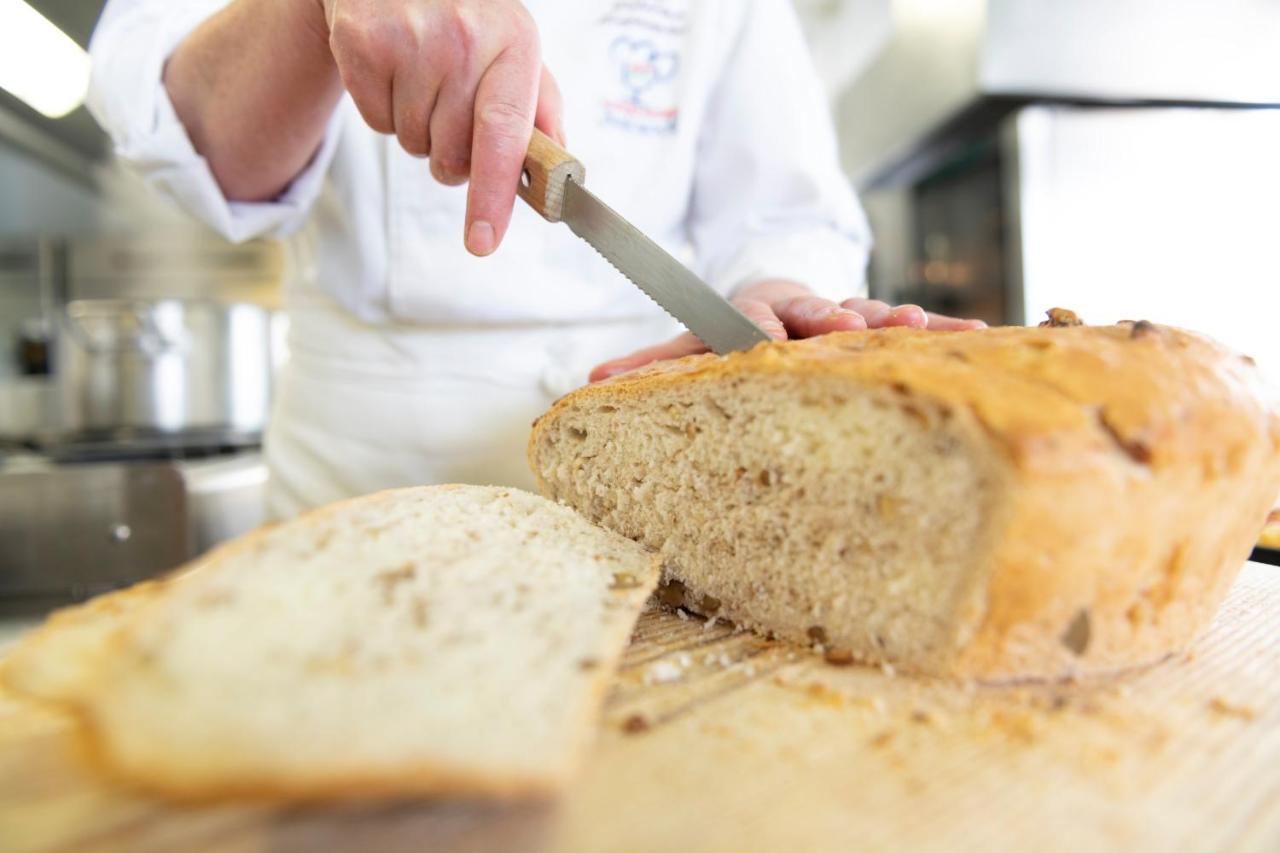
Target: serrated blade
(679, 292)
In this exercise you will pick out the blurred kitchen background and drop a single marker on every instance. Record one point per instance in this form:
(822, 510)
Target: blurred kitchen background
(1118, 157)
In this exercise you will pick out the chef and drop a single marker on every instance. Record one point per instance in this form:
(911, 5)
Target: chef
(431, 318)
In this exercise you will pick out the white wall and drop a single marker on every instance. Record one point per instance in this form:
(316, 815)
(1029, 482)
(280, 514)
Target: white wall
(1170, 215)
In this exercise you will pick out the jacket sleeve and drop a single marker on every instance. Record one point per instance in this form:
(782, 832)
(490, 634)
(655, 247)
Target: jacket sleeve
(132, 42)
(770, 199)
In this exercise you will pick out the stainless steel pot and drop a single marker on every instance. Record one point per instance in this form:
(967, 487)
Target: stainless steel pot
(168, 366)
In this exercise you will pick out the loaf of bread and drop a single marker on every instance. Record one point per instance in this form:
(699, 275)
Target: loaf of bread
(442, 640)
(1003, 504)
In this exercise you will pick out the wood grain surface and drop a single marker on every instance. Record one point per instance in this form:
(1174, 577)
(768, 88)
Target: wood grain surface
(715, 740)
(546, 168)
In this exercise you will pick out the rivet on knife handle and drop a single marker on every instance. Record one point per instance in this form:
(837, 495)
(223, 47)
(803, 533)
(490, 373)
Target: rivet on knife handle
(546, 168)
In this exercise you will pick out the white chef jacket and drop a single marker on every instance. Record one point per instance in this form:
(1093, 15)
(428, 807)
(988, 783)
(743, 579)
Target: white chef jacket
(701, 121)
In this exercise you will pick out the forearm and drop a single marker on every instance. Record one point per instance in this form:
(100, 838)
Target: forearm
(255, 86)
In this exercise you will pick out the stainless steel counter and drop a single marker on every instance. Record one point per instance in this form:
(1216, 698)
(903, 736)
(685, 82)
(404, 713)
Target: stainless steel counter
(71, 530)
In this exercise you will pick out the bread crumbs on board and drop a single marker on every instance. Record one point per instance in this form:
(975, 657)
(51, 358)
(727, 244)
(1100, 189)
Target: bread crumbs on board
(1227, 708)
(663, 672)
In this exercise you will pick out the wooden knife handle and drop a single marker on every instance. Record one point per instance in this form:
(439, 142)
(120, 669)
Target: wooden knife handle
(546, 167)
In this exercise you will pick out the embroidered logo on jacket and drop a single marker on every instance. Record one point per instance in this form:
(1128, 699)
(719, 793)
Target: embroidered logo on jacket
(645, 65)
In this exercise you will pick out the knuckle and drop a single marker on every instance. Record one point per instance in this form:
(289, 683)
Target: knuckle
(458, 28)
(410, 30)
(505, 119)
(351, 35)
(523, 29)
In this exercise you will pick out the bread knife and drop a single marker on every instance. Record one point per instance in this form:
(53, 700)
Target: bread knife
(553, 184)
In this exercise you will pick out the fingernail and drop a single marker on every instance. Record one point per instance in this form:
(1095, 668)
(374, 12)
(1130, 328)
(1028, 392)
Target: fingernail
(913, 312)
(480, 238)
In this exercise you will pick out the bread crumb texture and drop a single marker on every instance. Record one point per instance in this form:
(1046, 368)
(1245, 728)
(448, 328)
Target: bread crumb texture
(436, 640)
(1002, 504)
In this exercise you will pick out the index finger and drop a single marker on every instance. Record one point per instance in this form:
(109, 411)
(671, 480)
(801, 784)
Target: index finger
(506, 100)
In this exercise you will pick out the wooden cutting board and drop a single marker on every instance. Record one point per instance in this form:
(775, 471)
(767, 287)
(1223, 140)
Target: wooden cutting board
(713, 740)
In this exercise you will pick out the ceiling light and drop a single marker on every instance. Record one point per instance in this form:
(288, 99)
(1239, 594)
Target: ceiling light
(39, 63)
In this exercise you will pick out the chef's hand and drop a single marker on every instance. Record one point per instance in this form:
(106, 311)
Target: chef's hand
(458, 81)
(785, 310)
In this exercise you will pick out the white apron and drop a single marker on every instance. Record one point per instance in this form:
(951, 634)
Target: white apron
(405, 405)
(701, 121)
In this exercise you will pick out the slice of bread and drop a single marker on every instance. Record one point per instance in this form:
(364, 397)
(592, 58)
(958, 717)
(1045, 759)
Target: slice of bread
(438, 640)
(55, 661)
(1010, 503)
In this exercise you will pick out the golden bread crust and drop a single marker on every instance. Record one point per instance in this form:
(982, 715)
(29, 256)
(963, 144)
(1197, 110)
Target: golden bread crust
(1140, 462)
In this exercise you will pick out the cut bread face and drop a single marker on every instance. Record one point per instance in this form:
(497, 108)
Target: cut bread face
(994, 504)
(816, 513)
(819, 513)
(442, 640)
